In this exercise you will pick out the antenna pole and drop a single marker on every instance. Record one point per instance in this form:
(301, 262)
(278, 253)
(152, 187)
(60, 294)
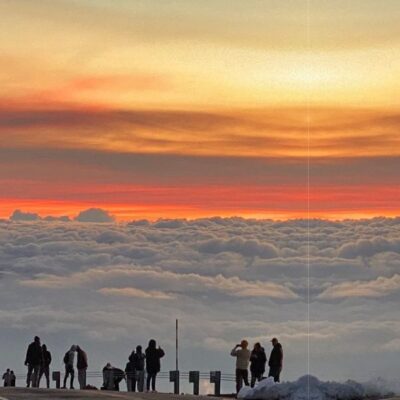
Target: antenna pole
(177, 345)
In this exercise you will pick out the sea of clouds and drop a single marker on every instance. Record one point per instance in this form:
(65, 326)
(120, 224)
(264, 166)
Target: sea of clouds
(109, 286)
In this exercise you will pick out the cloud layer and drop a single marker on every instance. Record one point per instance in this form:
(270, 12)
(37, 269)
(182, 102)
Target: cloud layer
(111, 286)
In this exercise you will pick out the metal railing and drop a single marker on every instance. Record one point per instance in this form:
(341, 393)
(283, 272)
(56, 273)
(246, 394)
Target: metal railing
(174, 377)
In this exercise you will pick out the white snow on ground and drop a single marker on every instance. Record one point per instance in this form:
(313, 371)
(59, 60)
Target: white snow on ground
(311, 388)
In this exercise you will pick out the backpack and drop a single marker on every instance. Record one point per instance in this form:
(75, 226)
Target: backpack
(66, 358)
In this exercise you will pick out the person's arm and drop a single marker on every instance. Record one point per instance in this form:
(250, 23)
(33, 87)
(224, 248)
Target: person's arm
(28, 352)
(234, 351)
(161, 352)
(49, 357)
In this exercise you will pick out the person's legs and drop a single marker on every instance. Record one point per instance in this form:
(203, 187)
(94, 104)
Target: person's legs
(253, 379)
(148, 381)
(134, 383)
(140, 380)
(35, 375)
(238, 380)
(72, 373)
(66, 377)
(245, 375)
(153, 382)
(29, 375)
(46, 371)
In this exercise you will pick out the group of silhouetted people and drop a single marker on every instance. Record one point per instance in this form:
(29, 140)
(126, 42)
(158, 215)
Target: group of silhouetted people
(9, 378)
(38, 360)
(138, 365)
(257, 360)
(141, 364)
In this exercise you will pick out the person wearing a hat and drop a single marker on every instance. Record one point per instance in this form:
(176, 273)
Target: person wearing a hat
(275, 362)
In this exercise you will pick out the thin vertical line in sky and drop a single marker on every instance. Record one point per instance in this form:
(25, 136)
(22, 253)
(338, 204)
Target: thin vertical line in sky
(308, 204)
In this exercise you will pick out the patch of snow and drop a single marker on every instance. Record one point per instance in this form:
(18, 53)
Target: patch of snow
(311, 388)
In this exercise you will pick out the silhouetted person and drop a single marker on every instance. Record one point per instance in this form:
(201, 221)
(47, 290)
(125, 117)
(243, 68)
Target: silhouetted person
(257, 363)
(45, 366)
(112, 377)
(7, 378)
(153, 364)
(33, 360)
(275, 360)
(81, 365)
(130, 375)
(242, 354)
(13, 379)
(69, 358)
(138, 361)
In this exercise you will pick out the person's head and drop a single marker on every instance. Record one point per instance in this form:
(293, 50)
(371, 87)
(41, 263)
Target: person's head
(152, 344)
(257, 346)
(8, 369)
(73, 347)
(244, 344)
(44, 347)
(108, 365)
(138, 349)
(37, 339)
(12, 372)
(274, 341)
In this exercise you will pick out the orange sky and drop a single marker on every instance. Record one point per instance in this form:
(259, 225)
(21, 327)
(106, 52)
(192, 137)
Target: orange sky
(188, 109)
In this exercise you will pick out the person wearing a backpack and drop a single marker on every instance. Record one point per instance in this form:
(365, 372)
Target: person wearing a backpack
(32, 361)
(153, 364)
(69, 367)
(81, 365)
(45, 366)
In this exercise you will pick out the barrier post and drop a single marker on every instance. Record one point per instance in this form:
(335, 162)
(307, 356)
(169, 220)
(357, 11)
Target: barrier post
(174, 377)
(56, 376)
(215, 378)
(194, 377)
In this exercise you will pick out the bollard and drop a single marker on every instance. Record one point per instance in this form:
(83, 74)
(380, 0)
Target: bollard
(194, 377)
(56, 376)
(215, 378)
(174, 377)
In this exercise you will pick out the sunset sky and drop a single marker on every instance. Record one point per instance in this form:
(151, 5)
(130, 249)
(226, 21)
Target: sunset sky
(193, 108)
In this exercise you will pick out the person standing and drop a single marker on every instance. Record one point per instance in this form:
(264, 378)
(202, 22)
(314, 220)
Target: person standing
(32, 361)
(13, 379)
(7, 378)
(275, 360)
(69, 367)
(139, 358)
(130, 375)
(153, 364)
(81, 365)
(242, 354)
(258, 360)
(45, 366)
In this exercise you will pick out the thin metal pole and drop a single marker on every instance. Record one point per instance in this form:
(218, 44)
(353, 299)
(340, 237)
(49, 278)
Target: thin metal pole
(176, 345)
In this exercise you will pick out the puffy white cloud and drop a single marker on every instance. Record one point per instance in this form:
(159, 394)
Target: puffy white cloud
(379, 287)
(94, 215)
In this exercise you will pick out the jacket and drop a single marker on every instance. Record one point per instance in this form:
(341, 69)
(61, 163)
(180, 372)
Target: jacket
(82, 361)
(242, 357)
(257, 361)
(34, 354)
(276, 357)
(153, 356)
(46, 358)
